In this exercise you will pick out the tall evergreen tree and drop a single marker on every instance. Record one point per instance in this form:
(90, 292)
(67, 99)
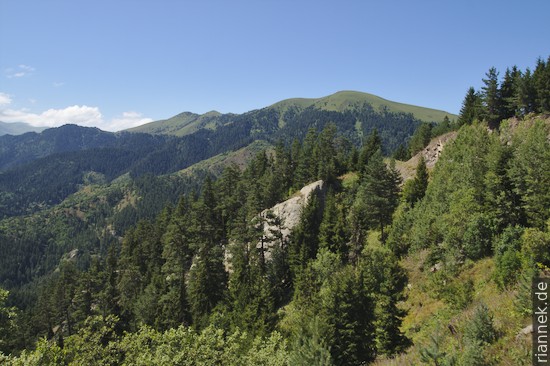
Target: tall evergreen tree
(177, 255)
(471, 108)
(372, 144)
(415, 189)
(332, 231)
(509, 92)
(527, 94)
(347, 310)
(421, 138)
(207, 277)
(378, 195)
(491, 98)
(541, 78)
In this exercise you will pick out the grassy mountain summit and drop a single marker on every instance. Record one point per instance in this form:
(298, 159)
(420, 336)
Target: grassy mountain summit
(348, 99)
(342, 101)
(182, 124)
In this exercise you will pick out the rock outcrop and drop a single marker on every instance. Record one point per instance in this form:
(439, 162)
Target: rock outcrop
(279, 220)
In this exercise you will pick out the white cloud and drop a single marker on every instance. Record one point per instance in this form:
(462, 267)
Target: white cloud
(76, 114)
(19, 71)
(5, 99)
(58, 84)
(81, 115)
(127, 120)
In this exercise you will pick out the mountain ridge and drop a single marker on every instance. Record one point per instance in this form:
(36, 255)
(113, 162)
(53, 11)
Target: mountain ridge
(18, 128)
(341, 101)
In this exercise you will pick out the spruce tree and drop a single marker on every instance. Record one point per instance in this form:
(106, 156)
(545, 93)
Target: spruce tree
(527, 94)
(372, 144)
(421, 138)
(491, 98)
(415, 189)
(471, 108)
(378, 195)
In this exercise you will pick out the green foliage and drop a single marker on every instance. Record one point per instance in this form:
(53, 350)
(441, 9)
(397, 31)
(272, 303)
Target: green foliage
(507, 256)
(433, 355)
(347, 309)
(415, 189)
(309, 346)
(481, 328)
(471, 108)
(420, 139)
(378, 195)
(7, 321)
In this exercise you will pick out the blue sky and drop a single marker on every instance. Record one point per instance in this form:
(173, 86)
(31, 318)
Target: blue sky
(116, 64)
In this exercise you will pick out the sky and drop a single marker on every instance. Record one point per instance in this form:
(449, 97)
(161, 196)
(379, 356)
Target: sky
(117, 64)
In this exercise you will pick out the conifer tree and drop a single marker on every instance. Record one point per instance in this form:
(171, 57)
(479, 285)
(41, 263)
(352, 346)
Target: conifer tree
(304, 243)
(541, 78)
(491, 98)
(415, 189)
(207, 277)
(471, 108)
(378, 195)
(509, 92)
(527, 94)
(306, 170)
(347, 310)
(325, 153)
(174, 308)
(332, 231)
(372, 144)
(421, 138)
(385, 278)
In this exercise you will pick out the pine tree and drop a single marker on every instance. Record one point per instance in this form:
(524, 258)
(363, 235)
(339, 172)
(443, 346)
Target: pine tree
(491, 98)
(304, 242)
(207, 277)
(421, 138)
(372, 144)
(527, 94)
(471, 108)
(347, 310)
(385, 278)
(541, 78)
(332, 231)
(415, 189)
(378, 195)
(174, 308)
(509, 92)
(325, 153)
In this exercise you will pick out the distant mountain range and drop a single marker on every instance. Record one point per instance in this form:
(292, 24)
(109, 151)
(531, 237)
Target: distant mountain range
(187, 122)
(42, 169)
(17, 128)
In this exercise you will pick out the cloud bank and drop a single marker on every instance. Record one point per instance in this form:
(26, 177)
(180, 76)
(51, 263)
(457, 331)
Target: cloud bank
(5, 99)
(82, 115)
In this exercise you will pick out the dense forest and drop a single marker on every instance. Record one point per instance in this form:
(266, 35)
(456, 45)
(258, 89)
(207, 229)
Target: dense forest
(432, 270)
(82, 155)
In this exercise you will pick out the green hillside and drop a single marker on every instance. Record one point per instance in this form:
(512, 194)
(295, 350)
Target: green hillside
(187, 122)
(347, 99)
(180, 125)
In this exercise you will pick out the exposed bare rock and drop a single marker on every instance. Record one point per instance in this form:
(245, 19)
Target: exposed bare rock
(525, 331)
(290, 210)
(279, 221)
(431, 154)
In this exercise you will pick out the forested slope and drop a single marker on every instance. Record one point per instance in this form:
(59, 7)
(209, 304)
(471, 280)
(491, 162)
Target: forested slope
(436, 270)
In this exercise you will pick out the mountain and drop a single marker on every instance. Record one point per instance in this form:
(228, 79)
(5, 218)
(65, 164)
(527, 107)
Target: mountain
(17, 128)
(187, 122)
(182, 124)
(168, 146)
